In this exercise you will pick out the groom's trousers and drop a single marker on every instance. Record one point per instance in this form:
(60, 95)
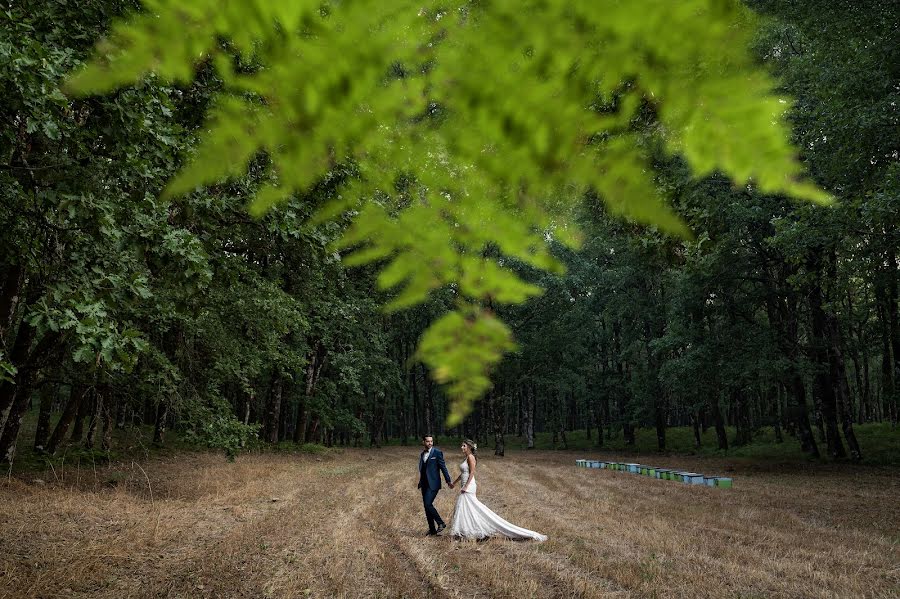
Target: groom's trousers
(431, 513)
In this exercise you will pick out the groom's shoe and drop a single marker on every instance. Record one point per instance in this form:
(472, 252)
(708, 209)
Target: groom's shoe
(440, 528)
(431, 533)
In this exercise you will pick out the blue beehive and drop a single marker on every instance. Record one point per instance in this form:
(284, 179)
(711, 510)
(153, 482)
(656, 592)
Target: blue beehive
(633, 468)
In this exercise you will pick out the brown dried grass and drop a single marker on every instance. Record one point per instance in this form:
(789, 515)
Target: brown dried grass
(351, 525)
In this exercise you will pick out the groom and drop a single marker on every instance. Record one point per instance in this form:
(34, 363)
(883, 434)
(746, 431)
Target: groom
(431, 464)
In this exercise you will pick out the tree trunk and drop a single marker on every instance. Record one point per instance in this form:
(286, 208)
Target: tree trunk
(867, 387)
(273, 410)
(18, 357)
(842, 391)
(121, 411)
(429, 401)
(378, 419)
(660, 413)
(21, 388)
(599, 422)
(775, 393)
(84, 410)
(888, 379)
(159, 426)
(721, 435)
(414, 396)
(894, 327)
(108, 410)
(96, 419)
(284, 420)
(823, 382)
(529, 416)
(695, 421)
(9, 296)
(498, 419)
(76, 398)
(314, 363)
(801, 416)
(741, 420)
(48, 395)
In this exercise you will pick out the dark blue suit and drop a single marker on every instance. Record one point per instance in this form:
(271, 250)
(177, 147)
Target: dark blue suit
(430, 483)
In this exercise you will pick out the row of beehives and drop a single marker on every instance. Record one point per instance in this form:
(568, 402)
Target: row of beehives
(691, 478)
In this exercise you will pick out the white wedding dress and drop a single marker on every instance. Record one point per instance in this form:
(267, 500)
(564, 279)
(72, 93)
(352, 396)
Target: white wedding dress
(473, 520)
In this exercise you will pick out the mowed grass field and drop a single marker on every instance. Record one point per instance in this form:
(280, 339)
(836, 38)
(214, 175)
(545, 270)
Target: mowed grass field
(350, 524)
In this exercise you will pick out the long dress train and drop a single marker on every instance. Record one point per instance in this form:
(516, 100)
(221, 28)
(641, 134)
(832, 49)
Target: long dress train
(474, 520)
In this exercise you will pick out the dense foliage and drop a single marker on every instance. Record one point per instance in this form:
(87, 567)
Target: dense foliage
(137, 289)
(487, 121)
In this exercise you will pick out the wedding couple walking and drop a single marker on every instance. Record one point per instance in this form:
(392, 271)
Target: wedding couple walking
(471, 518)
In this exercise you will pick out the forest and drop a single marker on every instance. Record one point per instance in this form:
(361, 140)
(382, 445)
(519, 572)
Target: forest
(125, 307)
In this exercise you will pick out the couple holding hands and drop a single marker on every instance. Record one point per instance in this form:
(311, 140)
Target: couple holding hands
(471, 518)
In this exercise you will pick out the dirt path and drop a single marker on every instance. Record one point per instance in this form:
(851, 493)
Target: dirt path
(351, 525)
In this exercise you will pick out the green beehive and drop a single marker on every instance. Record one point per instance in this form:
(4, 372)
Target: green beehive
(723, 482)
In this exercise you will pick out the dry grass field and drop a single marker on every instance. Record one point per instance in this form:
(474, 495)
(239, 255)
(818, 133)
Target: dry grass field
(350, 524)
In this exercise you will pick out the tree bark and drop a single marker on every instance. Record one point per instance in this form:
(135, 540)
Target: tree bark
(24, 383)
(721, 434)
(801, 416)
(159, 426)
(498, 419)
(598, 414)
(9, 296)
(429, 401)
(48, 395)
(529, 416)
(839, 374)
(739, 405)
(76, 398)
(84, 408)
(108, 409)
(18, 357)
(823, 383)
(96, 419)
(894, 328)
(315, 361)
(775, 395)
(414, 396)
(273, 409)
(695, 422)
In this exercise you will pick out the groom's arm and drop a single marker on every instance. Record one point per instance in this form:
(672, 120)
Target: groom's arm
(443, 467)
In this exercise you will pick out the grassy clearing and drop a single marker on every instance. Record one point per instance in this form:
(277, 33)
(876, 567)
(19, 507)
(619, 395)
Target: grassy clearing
(349, 524)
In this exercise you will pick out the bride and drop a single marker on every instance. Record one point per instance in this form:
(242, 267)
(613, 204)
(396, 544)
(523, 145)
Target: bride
(473, 519)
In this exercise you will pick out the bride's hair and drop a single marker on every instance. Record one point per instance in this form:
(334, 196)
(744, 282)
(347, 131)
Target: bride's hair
(473, 447)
